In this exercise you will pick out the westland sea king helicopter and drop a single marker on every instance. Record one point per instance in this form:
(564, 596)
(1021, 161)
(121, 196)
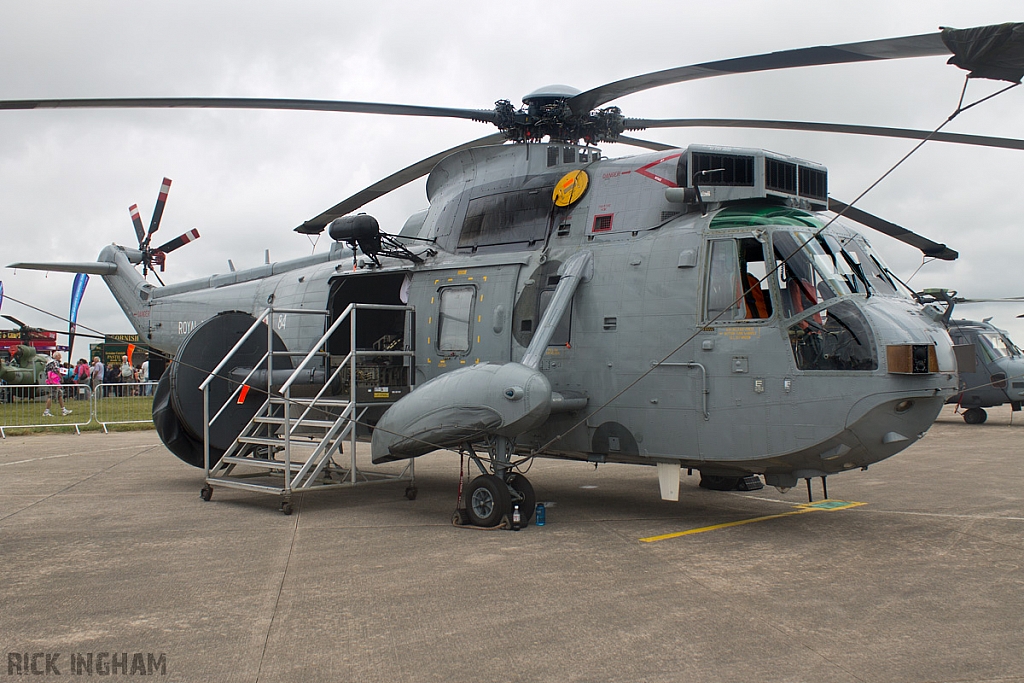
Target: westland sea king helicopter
(686, 308)
(990, 365)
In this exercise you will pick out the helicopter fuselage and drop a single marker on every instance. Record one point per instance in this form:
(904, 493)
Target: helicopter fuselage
(997, 376)
(725, 335)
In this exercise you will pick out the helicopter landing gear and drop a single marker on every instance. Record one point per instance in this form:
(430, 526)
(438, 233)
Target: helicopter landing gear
(492, 497)
(975, 416)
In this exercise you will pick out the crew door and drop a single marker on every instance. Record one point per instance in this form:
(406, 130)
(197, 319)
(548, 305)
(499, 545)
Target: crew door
(463, 317)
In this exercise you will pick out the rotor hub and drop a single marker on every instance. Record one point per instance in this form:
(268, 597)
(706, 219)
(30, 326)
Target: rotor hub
(546, 113)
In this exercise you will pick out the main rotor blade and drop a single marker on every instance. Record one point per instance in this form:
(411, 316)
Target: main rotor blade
(813, 126)
(16, 321)
(927, 247)
(925, 45)
(483, 115)
(394, 181)
(645, 144)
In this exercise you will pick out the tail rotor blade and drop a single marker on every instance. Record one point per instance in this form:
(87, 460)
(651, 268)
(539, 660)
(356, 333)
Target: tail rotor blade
(140, 231)
(158, 210)
(179, 241)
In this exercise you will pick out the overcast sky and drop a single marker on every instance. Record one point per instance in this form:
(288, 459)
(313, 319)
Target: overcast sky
(245, 179)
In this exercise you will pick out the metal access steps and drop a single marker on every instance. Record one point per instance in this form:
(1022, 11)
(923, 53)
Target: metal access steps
(323, 421)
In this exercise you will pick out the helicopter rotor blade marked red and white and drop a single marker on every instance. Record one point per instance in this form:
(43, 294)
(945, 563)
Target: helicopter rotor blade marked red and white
(140, 231)
(158, 209)
(160, 253)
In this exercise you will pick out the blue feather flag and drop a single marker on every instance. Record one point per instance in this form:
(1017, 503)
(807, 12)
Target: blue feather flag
(77, 292)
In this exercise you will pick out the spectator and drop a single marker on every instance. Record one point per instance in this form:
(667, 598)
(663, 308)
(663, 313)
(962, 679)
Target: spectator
(53, 373)
(111, 377)
(127, 375)
(97, 375)
(82, 371)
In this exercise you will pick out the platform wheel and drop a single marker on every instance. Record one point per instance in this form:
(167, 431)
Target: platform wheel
(206, 493)
(411, 492)
(286, 507)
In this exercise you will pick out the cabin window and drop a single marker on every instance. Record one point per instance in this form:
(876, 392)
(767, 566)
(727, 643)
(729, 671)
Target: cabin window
(454, 319)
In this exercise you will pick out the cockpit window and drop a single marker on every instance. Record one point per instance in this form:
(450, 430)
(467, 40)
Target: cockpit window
(808, 275)
(1014, 351)
(844, 264)
(993, 346)
(834, 338)
(723, 300)
(737, 287)
(875, 271)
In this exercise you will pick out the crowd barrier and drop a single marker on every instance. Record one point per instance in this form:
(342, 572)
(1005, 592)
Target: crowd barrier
(25, 406)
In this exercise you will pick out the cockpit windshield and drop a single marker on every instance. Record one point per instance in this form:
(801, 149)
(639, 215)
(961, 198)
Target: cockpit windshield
(872, 267)
(823, 266)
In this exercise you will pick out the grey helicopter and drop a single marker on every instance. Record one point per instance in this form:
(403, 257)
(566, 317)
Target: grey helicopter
(991, 366)
(695, 308)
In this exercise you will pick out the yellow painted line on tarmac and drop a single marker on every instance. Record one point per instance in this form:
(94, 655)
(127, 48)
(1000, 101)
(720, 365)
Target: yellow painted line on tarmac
(826, 505)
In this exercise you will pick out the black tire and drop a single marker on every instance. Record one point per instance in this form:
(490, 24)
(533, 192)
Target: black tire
(487, 500)
(975, 416)
(286, 507)
(206, 493)
(411, 492)
(528, 502)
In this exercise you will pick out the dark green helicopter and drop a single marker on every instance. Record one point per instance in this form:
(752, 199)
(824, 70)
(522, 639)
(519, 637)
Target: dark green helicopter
(26, 365)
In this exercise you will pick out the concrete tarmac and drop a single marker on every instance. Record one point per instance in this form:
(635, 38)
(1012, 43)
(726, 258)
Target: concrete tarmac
(107, 550)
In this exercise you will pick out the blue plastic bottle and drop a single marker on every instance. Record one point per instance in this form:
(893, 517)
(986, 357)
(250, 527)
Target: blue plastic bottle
(540, 514)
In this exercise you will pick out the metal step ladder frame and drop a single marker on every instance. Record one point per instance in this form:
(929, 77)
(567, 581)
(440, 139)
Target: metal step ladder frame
(318, 470)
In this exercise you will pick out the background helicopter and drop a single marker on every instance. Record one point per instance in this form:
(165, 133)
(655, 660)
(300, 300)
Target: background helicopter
(28, 363)
(512, 219)
(990, 365)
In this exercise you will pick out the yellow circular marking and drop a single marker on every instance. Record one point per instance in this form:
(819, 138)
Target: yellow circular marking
(570, 188)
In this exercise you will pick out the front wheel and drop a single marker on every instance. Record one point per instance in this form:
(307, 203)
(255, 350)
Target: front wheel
(487, 500)
(975, 416)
